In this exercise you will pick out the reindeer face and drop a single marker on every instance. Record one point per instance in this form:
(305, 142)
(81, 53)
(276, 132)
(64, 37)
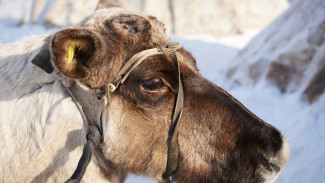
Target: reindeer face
(219, 139)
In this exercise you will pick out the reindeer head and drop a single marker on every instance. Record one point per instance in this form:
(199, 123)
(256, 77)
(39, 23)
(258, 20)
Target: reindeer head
(219, 140)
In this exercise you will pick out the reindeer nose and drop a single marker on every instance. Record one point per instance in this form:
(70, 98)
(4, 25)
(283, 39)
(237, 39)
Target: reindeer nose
(277, 162)
(284, 153)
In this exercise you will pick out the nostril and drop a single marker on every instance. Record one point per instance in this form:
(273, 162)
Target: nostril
(124, 27)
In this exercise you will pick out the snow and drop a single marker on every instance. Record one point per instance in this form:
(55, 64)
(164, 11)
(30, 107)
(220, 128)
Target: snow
(301, 123)
(11, 32)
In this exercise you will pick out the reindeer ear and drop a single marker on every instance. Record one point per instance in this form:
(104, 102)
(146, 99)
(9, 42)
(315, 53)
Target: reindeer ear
(73, 49)
(109, 4)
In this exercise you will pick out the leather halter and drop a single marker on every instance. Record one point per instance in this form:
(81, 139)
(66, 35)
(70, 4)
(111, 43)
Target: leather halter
(94, 134)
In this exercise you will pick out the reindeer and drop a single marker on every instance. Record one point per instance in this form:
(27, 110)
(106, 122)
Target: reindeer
(137, 104)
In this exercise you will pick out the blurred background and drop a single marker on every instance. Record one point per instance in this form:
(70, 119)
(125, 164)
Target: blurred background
(268, 54)
(182, 17)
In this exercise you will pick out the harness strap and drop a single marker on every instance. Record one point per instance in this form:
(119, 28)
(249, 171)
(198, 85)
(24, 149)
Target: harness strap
(94, 134)
(173, 153)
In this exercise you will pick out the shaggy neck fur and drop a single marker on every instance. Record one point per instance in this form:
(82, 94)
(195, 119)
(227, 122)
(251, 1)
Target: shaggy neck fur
(44, 142)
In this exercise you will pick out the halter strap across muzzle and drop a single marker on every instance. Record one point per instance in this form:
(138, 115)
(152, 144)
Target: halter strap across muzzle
(94, 134)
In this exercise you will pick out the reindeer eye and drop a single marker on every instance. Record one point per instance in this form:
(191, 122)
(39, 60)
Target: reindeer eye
(124, 27)
(154, 84)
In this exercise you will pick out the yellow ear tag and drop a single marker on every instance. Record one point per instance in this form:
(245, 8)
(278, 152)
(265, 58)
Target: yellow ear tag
(72, 49)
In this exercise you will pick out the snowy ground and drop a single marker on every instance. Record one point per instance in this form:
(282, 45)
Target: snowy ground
(302, 124)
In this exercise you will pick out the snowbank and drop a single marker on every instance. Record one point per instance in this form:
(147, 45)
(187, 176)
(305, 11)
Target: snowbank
(289, 53)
